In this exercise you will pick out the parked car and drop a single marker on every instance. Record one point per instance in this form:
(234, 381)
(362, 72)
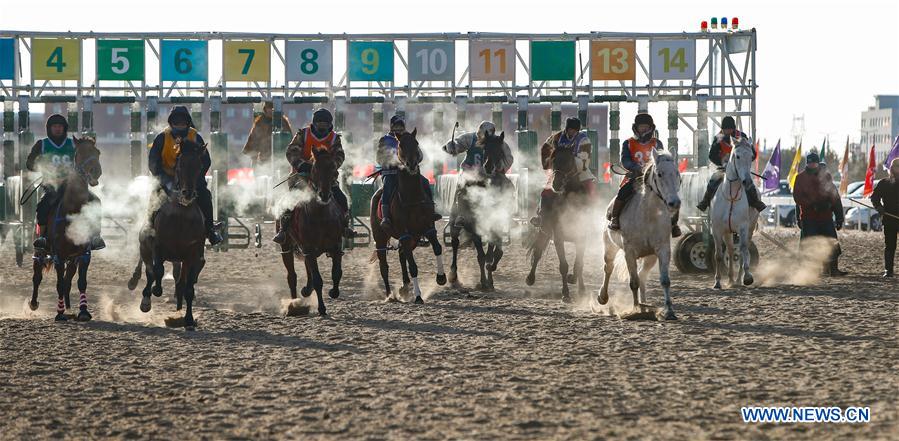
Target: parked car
(862, 217)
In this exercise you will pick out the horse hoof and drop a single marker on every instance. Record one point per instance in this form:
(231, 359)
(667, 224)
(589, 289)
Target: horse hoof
(571, 279)
(61, 317)
(491, 267)
(717, 285)
(84, 316)
(453, 277)
(145, 306)
(747, 280)
(157, 291)
(334, 293)
(603, 298)
(404, 290)
(33, 305)
(322, 312)
(441, 279)
(306, 291)
(530, 279)
(669, 314)
(566, 298)
(132, 283)
(190, 328)
(419, 301)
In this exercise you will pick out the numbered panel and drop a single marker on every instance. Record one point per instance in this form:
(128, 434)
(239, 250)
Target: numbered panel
(120, 60)
(247, 61)
(432, 60)
(370, 60)
(491, 60)
(552, 61)
(309, 61)
(183, 60)
(672, 59)
(55, 59)
(613, 60)
(7, 58)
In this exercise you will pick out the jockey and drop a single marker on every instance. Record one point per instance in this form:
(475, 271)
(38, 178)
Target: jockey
(636, 152)
(318, 135)
(163, 155)
(54, 157)
(389, 165)
(472, 144)
(719, 154)
(576, 140)
(259, 144)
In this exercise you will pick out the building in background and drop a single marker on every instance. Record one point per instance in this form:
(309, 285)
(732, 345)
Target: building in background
(880, 124)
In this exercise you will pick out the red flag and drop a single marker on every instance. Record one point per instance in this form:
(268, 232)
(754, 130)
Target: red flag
(684, 163)
(869, 175)
(607, 174)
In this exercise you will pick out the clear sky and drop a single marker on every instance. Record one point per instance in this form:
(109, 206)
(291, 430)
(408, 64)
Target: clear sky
(825, 59)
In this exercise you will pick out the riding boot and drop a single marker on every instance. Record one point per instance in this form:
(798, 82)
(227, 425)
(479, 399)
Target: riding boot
(888, 257)
(616, 212)
(282, 235)
(752, 196)
(97, 243)
(385, 218)
(675, 229)
(40, 243)
(834, 270)
(349, 232)
(706, 199)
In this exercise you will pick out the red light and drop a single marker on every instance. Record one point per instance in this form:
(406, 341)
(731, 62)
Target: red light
(705, 26)
(735, 22)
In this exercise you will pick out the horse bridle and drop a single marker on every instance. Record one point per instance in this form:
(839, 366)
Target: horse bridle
(650, 182)
(79, 169)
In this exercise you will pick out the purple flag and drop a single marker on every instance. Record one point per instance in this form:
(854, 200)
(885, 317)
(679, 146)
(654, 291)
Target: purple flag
(772, 171)
(894, 153)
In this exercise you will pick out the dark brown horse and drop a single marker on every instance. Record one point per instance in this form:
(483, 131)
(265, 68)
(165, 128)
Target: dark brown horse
(64, 254)
(317, 227)
(177, 233)
(479, 204)
(413, 218)
(566, 221)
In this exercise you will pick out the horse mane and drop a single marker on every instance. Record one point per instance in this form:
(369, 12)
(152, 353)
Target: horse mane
(190, 147)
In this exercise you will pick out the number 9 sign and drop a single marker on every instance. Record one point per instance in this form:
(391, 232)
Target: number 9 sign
(120, 60)
(309, 61)
(183, 60)
(370, 60)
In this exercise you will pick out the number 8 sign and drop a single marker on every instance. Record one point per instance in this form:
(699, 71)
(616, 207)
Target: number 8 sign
(183, 60)
(309, 61)
(120, 60)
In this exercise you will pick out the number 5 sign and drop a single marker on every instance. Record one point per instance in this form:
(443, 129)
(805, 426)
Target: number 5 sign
(672, 59)
(309, 61)
(183, 60)
(247, 61)
(120, 60)
(613, 60)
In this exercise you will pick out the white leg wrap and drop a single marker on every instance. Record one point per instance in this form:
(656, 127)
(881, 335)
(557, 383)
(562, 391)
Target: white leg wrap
(440, 264)
(415, 287)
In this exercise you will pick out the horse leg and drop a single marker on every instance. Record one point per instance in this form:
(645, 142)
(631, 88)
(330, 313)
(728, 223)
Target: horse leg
(60, 288)
(539, 246)
(744, 253)
(288, 260)
(438, 256)
(316, 277)
(190, 273)
(482, 258)
(664, 257)
(454, 243)
(145, 303)
(404, 290)
(563, 265)
(38, 268)
(158, 272)
(71, 269)
(608, 266)
(729, 253)
(135, 275)
(634, 284)
(718, 258)
(579, 267)
(408, 248)
(336, 272)
(648, 262)
(382, 263)
(83, 263)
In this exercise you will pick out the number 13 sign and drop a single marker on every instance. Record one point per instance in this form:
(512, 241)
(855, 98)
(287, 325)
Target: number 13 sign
(613, 60)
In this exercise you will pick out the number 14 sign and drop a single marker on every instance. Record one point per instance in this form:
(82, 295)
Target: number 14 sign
(672, 59)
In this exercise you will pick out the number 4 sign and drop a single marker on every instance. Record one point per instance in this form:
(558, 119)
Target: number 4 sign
(672, 59)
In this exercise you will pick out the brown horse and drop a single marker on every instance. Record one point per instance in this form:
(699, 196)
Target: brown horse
(316, 227)
(177, 233)
(413, 218)
(565, 222)
(64, 254)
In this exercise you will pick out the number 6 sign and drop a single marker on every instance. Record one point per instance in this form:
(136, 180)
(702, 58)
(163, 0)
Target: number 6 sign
(120, 60)
(183, 60)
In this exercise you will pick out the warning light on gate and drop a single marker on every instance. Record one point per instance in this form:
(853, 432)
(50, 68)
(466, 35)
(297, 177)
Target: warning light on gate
(723, 22)
(705, 26)
(735, 22)
(714, 23)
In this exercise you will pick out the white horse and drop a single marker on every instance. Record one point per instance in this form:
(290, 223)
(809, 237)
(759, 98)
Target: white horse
(646, 231)
(731, 214)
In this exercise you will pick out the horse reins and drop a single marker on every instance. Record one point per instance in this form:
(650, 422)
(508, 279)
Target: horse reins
(731, 198)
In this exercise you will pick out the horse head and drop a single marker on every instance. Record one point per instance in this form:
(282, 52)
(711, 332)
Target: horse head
(87, 159)
(493, 150)
(324, 174)
(565, 169)
(662, 177)
(188, 170)
(740, 161)
(409, 153)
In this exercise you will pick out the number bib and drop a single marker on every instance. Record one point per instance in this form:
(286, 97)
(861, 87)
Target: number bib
(59, 158)
(640, 152)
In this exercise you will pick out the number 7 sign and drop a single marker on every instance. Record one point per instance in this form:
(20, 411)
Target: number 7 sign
(247, 61)
(613, 60)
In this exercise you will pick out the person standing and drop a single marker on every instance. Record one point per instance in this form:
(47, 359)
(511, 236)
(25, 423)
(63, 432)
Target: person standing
(820, 211)
(886, 200)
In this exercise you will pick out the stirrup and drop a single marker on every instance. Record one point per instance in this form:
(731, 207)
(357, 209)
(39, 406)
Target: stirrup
(614, 225)
(675, 231)
(97, 243)
(281, 237)
(536, 221)
(40, 244)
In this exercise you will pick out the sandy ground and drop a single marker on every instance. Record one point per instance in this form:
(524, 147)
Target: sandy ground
(512, 364)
